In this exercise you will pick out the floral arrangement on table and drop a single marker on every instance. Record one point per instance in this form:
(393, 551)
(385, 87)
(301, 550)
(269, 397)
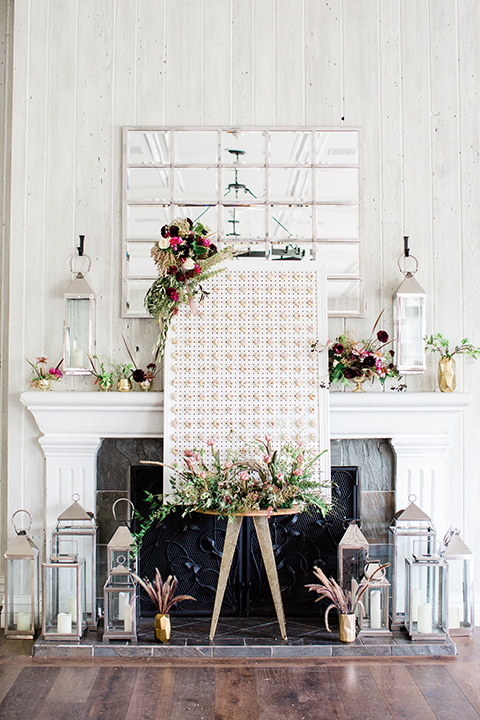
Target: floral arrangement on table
(185, 257)
(42, 377)
(437, 343)
(357, 361)
(255, 477)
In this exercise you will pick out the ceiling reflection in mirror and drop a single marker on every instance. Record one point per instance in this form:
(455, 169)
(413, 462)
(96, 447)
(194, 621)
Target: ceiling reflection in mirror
(284, 193)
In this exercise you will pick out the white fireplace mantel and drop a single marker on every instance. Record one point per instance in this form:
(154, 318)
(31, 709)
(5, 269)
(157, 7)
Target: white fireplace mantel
(420, 427)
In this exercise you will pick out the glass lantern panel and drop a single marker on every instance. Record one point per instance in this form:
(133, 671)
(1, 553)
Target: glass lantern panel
(352, 565)
(86, 549)
(375, 602)
(63, 584)
(460, 605)
(119, 604)
(411, 351)
(78, 332)
(21, 585)
(425, 601)
(115, 557)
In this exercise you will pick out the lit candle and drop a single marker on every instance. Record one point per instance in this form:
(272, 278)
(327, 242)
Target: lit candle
(123, 599)
(375, 610)
(64, 623)
(72, 608)
(127, 620)
(453, 617)
(424, 624)
(414, 608)
(24, 621)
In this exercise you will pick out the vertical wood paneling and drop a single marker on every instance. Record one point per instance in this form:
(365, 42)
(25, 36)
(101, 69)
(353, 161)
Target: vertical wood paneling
(265, 70)
(323, 63)
(290, 61)
(149, 26)
(242, 62)
(217, 63)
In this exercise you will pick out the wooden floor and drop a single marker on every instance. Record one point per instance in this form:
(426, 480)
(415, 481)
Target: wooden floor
(334, 689)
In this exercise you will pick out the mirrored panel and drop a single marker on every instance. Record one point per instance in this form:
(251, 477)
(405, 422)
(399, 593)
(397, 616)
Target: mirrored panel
(294, 191)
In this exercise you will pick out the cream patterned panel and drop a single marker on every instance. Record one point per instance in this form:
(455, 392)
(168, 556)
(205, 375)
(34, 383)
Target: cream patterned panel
(244, 367)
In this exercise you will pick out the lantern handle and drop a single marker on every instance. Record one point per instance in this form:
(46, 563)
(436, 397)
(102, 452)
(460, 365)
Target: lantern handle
(403, 270)
(75, 497)
(350, 521)
(132, 507)
(20, 532)
(412, 497)
(450, 534)
(121, 560)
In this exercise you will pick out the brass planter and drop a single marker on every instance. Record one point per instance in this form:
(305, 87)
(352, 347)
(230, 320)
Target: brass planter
(446, 374)
(163, 628)
(105, 385)
(124, 385)
(44, 383)
(146, 385)
(348, 630)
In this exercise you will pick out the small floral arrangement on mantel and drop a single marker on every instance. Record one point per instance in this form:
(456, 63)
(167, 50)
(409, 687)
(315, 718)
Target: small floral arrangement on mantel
(357, 361)
(102, 376)
(252, 478)
(185, 257)
(144, 378)
(42, 378)
(438, 343)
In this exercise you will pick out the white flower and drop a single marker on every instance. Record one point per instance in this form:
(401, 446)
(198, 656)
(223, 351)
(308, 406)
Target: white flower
(188, 264)
(163, 243)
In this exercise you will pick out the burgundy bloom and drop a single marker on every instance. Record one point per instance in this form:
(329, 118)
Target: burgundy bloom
(174, 230)
(138, 375)
(369, 361)
(180, 276)
(151, 366)
(172, 294)
(338, 348)
(349, 373)
(391, 366)
(172, 270)
(382, 336)
(392, 352)
(164, 231)
(212, 250)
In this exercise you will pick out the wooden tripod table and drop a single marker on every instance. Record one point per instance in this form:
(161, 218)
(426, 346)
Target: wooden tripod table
(260, 522)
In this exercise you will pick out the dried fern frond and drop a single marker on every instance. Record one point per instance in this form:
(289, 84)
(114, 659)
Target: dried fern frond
(162, 594)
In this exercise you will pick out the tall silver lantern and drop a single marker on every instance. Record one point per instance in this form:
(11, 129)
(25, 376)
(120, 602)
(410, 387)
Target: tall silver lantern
(76, 525)
(408, 526)
(63, 594)
(374, 617)
(461, 599)
(120, 603)
(122, 543)
(79, 324)
(426, 592)
(410, 318)
(21, 584)
(352, 555)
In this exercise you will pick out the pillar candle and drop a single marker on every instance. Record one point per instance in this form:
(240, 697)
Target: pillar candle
(72, 608)
(453, 617)
(123, 599)
(64, 623)
(78, 358)
(24, 621)
(414, 608)
(127, 619)
(375, 610)
(424, 624)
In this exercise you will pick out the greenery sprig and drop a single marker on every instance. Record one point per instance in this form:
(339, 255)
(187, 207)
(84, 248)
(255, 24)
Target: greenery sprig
(438, 343)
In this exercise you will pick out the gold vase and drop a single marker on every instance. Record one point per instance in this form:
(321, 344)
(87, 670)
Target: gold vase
(358, 384)
(163, 628)
(146, 385)
(44, 383)
(124, 385)
(446, 374)
(347, 627)
(105, 385)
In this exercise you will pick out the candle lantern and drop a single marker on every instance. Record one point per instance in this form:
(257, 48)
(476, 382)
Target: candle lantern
(426, 593)
(352, 554)
(410, 318)
(21, 584)
(78, 526)
(122, 543)
(460, 584)
(408, 526)
(120, 615)
(79, 325)
(374, 618)
(63, 596)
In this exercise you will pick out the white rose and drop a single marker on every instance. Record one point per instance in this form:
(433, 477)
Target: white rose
(163, 243)
(188, 264)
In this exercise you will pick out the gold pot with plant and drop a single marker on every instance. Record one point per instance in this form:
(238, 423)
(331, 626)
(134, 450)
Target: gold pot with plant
(346, 603)
(162, 594)
(42, 378)
(102, 377)
(446, 363)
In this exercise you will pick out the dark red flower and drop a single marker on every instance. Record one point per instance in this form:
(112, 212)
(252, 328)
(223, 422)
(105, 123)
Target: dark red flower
(349, 373)
(164, 231)
(172, 294)
(180, 276)
(138, 375)
(172, 270)
(392, 352)
(174, 230)
(338, 348)
(382, 336)
(369, 361)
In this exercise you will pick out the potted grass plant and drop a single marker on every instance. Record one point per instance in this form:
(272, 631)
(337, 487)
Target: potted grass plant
(162, 594)
(346, 603)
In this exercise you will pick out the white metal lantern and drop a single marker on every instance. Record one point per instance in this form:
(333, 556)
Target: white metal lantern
(63, 597)
(426, 594)
(408, 526)
(78, 526)
(79, 326)
(122, 543)
(352, 554)
(374, 619)
(120, 603)
(410, 319)
(461, 599)
(21, 584)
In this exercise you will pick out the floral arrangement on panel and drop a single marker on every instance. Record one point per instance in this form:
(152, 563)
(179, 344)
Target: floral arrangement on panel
(185, 257)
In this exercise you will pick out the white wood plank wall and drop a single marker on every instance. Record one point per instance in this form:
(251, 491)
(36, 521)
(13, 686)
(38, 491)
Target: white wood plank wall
(407, 72)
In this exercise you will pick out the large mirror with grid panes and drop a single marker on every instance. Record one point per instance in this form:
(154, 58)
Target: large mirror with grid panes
(282, 193)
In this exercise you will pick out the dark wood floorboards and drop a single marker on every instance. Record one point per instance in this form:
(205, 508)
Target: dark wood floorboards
(325, 689)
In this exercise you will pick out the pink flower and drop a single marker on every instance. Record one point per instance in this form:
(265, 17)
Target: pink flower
(269, 511)
(279, 476)
(299, 459)
(202, 474)
(56, 373)
(228, 465)
(210, 442)
(267, 459)
(205, 242)
(174, 241)
(189, 462)
(172, 294)
(188, 453)
(299, 443)
(268, 438)
(297, 472)
(244, 476)
(198, 457)
(197, 269)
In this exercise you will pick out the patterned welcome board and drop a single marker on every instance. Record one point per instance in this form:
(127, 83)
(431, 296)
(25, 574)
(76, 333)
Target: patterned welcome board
(245, 367)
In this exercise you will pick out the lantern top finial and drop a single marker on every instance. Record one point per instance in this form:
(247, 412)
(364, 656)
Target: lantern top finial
(412, 513)
(353, 538)
(454, 545)
(75, 511)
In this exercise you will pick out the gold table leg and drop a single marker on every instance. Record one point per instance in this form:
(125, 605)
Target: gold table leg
(265, 542)
(231, 537)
